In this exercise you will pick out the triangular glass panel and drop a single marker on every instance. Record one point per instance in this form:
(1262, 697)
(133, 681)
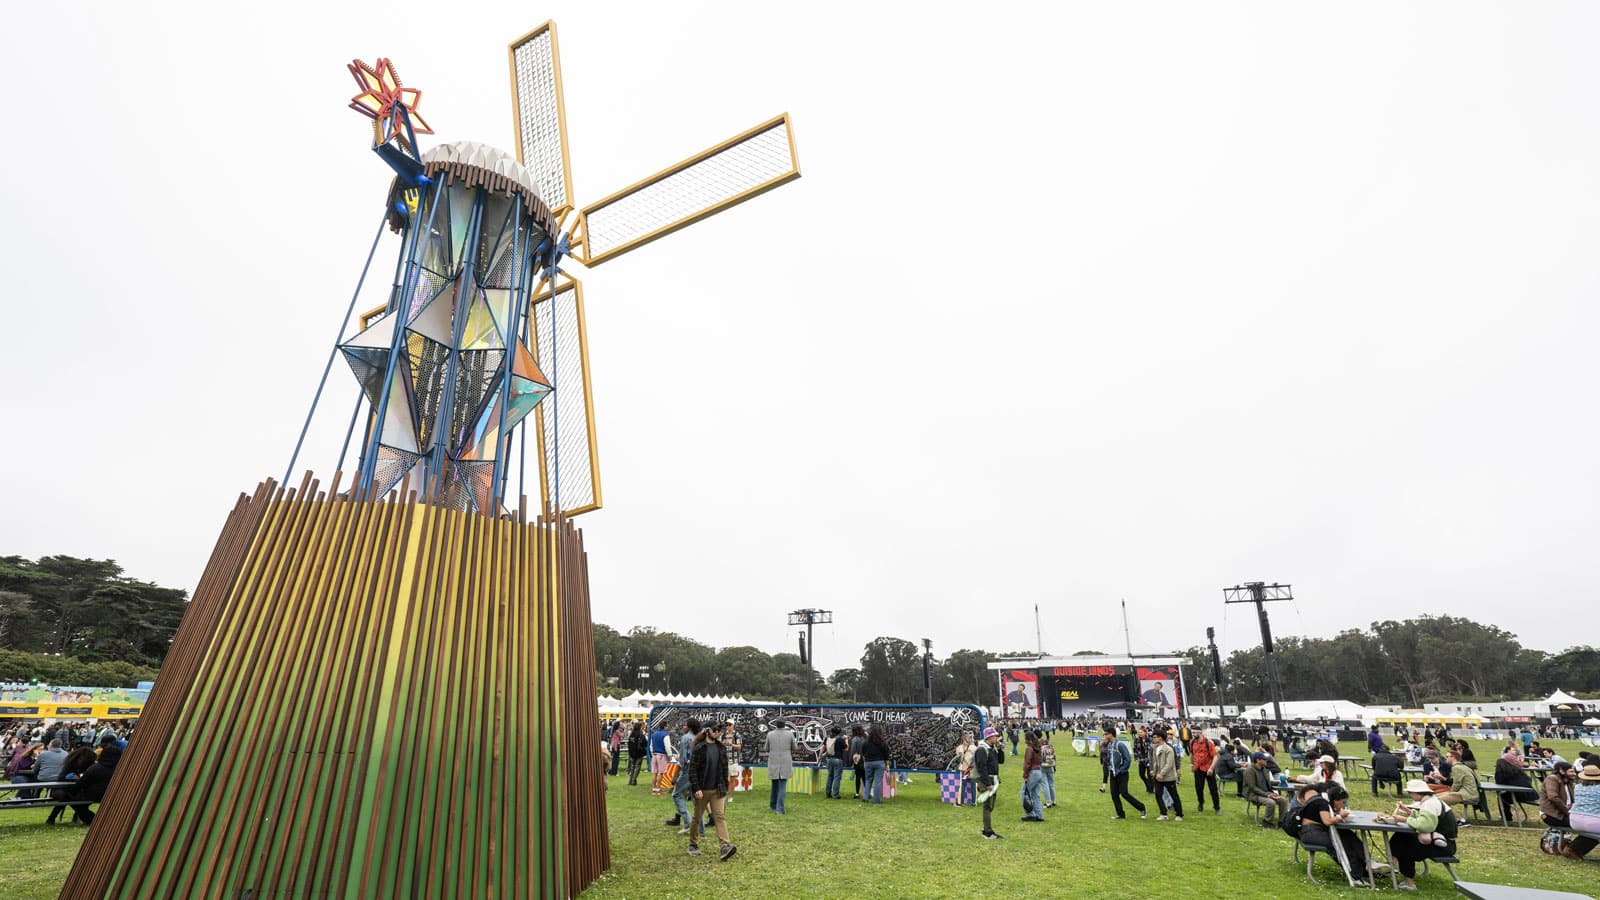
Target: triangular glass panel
(392, 465)
(426, 286)
(399, 426)
(481, 331)
(461, 197)
(433, 321)
(477, 371)
(429, 363)
(379, 334)
(528, 387)
(368, 364)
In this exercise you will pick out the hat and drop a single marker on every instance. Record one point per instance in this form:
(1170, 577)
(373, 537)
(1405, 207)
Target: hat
(1258, 757)
(1327, 759)
(1590, 774)
(990, 732)
(1418, 786)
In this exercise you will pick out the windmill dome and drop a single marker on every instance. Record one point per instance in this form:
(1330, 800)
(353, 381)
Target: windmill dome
(471, 164)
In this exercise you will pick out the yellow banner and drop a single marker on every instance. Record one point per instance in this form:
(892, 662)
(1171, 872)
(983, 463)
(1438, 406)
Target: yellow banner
(70, 710)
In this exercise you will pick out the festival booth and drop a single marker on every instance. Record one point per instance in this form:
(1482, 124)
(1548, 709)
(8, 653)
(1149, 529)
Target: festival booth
(1092, 686)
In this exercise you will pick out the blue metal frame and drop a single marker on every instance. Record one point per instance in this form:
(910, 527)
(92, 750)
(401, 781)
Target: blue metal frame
(466, 285)
(513, 317)
(402, 303)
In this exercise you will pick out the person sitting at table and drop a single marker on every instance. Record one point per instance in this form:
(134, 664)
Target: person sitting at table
(1326, 772)
(1468, 759)
(1270, 750)
(1508, 770)
(1435, 832)
(1387, 768)
(1555, 796)
(1463, 786)
(1259, 792)
(1323, 747)
(1318, 815)
(1227, 768)
(1585, 813)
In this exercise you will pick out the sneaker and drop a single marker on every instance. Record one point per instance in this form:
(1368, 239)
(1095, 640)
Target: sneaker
(1158, 818)
(1378, 868)
(993, 836)
(1178, 819)
(728, 850)
(1118, 818)
(1141, 815)
(683, 830)
(675, 820)
(1218, 811)
(1439, 841)
(1406, 887)
(694, 849)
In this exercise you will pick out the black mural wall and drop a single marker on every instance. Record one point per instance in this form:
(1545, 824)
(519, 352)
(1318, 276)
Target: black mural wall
(919, 737)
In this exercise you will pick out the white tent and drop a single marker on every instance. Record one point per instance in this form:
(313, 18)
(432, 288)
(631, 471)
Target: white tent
(1562, 698)
(1312, 710)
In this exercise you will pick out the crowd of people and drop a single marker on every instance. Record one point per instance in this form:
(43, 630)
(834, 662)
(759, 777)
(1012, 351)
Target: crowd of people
(1434, 771)
(84, 756)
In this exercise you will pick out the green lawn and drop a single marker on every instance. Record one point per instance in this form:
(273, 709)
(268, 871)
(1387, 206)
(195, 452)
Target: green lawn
(914, 846)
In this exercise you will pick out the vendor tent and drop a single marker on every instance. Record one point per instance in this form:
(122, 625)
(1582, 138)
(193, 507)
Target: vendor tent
(1562, 698)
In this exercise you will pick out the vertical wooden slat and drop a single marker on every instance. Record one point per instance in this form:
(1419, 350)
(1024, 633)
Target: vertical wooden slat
(368, 697)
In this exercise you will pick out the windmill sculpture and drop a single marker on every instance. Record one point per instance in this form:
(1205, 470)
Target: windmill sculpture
(392, 684)
(484, 330)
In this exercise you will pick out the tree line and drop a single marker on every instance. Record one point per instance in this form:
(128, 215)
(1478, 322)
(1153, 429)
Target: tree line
(65, 620)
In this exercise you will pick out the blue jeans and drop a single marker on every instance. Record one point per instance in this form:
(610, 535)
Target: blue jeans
(1030, 795)
(1049, 784)
(874, 790)
(835, 778)
(780, 789)
(681, 793)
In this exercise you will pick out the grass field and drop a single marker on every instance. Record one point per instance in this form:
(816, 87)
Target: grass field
(914, 846)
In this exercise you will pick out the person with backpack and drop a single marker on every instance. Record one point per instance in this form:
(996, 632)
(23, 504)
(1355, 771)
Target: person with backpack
(1118, 760)
(837, 750)
(858, 737)
(1047, 767)
(638, 746)
(963, 765)
(1032, 780)
(1435, 832)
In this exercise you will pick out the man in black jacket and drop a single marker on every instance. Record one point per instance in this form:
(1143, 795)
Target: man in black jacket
(986, 762)
(708, 778)
(1387, 768)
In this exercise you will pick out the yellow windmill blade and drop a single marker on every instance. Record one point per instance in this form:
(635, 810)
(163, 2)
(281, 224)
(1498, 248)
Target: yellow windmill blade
(569, 463)
(744, 166)
(541, 115)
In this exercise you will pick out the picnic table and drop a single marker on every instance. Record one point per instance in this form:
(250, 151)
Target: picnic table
(1506, 892)
(40, 802)
(1365, 823)
(1518, 793)
(1345, 762)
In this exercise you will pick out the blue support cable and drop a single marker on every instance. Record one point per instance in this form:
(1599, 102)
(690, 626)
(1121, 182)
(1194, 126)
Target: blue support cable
(350, 430)
(332, 354)
(402, 304)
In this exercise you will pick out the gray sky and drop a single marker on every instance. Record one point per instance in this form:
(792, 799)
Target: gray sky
(1100, 301)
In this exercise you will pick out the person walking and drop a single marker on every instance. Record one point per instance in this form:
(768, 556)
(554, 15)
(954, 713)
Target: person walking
(1164, 770)
(1047, 768)
(1032, 780)
(1118, 760)
(780, 763)
(838, 752)
(682, 794)
(615, 740)
(986, 762)
(638, 746)
(875, 759)
(708, 779)
(1203, 762)
(858, 737)
(1141, 754)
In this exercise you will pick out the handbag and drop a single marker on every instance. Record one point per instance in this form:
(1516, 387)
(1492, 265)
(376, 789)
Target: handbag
(1554, 839)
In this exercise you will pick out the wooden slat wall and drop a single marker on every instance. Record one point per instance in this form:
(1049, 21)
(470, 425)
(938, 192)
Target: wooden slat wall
(367, 698)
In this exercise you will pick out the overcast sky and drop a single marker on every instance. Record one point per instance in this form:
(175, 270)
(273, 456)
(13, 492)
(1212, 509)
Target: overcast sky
(1074, 304)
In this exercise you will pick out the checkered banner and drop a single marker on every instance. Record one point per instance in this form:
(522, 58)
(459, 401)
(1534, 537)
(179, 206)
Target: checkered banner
(950, 787)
